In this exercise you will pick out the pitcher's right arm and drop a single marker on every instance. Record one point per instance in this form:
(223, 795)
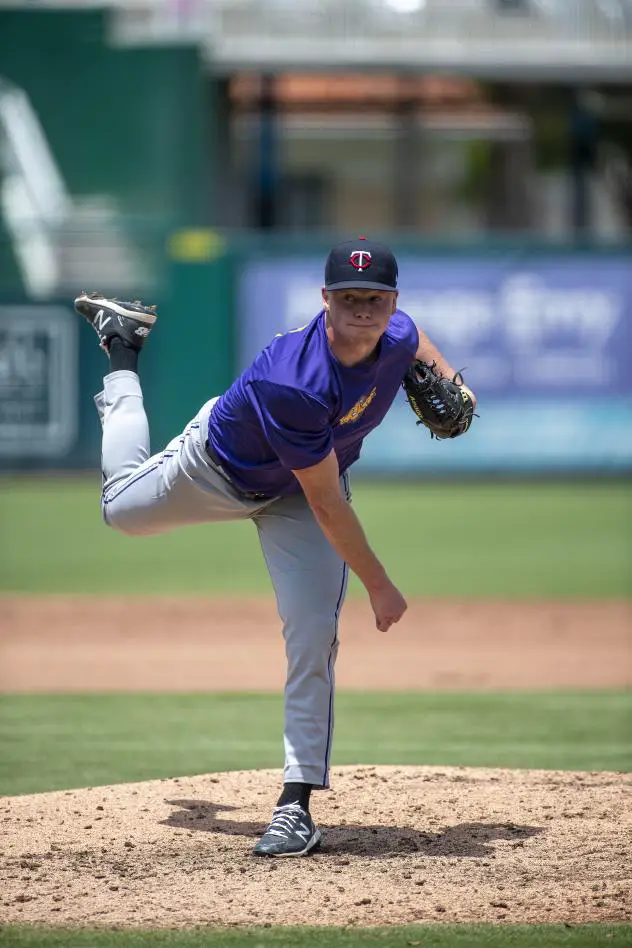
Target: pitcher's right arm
(339, 523)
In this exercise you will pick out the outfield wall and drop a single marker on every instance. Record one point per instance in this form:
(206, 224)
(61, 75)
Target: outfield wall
(546, 341)
(544, 334)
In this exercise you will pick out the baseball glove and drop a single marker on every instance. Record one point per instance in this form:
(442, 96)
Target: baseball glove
(443, 405)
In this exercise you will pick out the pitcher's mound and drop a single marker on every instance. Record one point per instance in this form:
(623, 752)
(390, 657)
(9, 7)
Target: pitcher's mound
(401, 845)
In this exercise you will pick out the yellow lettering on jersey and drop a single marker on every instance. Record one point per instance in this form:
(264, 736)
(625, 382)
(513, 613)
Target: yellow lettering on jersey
(298, 329)
(361, 405)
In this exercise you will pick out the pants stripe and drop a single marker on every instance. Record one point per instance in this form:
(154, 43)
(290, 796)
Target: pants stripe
(345, 571)
(133, 479)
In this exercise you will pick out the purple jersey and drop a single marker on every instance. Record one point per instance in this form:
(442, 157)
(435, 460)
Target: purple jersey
(296, 402)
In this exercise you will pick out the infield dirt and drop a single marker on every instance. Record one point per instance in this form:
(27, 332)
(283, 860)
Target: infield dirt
(72, 643)
(401, 844)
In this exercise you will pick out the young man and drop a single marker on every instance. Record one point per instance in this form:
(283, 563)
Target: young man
(276, 448)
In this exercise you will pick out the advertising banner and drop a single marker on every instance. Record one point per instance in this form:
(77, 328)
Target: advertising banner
(545, 342)
(38, 382)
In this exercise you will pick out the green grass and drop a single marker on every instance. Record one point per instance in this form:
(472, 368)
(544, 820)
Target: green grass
(50, 742)
(540, 539)
(475, 539)
(429, 936)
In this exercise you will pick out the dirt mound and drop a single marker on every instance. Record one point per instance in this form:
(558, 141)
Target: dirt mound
(401, 845)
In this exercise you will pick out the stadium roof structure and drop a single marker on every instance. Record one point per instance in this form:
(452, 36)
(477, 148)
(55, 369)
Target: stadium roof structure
(519, 40)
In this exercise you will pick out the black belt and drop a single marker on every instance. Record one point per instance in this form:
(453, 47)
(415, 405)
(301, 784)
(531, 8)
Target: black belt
(248, 494)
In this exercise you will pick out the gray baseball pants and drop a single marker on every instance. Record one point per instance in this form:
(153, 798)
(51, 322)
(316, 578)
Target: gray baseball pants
(145, 495)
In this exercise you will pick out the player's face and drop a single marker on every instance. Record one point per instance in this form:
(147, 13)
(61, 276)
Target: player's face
(361, 314)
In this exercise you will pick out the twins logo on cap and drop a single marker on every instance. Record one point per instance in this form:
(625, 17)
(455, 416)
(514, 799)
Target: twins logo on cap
(360, 263)
(360, 259)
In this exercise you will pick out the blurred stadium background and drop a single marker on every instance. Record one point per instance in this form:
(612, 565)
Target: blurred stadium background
(203, 155)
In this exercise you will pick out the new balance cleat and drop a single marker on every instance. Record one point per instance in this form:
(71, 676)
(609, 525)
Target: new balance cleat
(292, 832)
(131, 322)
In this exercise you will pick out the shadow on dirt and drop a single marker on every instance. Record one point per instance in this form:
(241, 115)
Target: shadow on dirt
(464, 839)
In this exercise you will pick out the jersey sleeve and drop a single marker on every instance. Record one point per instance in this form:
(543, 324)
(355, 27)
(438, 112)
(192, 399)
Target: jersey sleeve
(404, 332)
(296, 424)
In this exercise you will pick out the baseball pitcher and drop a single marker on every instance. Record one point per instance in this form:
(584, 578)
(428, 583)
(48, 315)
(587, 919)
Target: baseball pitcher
(276, 449)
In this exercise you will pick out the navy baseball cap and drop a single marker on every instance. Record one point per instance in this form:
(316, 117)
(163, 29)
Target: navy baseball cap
(360, 264)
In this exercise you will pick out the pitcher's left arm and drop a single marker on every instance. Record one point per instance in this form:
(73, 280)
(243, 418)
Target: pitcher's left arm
(437, 393)
(427, 352)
